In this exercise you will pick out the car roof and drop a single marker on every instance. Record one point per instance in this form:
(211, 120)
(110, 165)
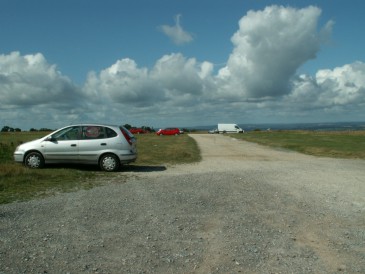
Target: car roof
(92, 124)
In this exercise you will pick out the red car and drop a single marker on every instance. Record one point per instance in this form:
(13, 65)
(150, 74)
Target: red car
(168, 131)
(137, 131)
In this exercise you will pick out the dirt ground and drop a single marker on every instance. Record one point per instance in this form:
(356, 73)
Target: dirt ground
(244, 208)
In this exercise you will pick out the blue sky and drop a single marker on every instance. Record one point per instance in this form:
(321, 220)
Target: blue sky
(180, 63)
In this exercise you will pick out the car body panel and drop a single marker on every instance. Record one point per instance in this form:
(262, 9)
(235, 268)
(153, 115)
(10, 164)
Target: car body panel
(65, 150)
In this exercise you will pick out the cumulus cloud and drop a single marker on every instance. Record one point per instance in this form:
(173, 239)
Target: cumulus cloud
(176, 33)
(123, 81)
(342, 86)
(259, 82)
(34, 92)
(30, 80)
(173, 78)
(269, 47)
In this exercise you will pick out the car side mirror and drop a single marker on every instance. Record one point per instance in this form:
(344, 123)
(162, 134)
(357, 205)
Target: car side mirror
(51, 139)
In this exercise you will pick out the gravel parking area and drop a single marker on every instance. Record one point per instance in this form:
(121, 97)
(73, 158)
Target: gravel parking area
(244, 208)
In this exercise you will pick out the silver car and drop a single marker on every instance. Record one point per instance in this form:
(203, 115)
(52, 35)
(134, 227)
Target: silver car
(103, 145)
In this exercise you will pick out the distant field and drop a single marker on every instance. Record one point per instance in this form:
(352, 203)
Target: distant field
(18, 183)
(339, 144)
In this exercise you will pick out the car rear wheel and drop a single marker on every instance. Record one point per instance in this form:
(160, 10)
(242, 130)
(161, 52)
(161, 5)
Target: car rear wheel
(34, 160)
(109, 162)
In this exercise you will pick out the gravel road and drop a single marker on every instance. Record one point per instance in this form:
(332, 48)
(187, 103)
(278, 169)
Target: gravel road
(244, 208)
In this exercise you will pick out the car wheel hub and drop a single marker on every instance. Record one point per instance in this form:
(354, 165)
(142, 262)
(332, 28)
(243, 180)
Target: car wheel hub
(33, 161)
(109, 163)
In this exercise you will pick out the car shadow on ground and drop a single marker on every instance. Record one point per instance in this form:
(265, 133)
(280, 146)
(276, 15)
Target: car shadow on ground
(135, 168)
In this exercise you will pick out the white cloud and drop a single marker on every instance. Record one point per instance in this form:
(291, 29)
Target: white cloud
(122, 82)
(269, 47)
(30, 80)
(258, 84)
(176, 33)
(330, 95)
(34, 92)
(174, 80)
(172, 88)
(343, 85)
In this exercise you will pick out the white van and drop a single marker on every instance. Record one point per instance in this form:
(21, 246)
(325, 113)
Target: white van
(229, 128)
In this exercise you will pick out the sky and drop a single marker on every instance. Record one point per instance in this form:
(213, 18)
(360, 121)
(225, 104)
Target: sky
(180, 63)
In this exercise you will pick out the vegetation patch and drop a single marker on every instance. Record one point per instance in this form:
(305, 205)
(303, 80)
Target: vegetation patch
(338, 144)
(161, 150)
(18, 183)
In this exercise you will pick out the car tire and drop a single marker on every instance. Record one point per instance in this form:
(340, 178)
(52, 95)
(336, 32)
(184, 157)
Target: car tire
(109, 163)
(34, 160)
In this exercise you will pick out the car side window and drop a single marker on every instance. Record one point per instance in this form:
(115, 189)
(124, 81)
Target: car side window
(93, 132)
(70, 133)
(110, 133)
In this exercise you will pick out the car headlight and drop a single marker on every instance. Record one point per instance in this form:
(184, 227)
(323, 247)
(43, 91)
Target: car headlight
(19, 148)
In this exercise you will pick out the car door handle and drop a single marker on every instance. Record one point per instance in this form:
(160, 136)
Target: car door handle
(103, 144)
(73, 145)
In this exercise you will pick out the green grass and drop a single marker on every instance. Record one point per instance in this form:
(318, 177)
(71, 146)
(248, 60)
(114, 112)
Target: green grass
(160, 150)
(18, 183)
(337, 144)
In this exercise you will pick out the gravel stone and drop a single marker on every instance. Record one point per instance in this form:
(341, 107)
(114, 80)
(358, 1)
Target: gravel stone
(244, 208)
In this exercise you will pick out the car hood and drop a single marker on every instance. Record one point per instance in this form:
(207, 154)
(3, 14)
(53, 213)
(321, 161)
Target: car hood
(31, 143)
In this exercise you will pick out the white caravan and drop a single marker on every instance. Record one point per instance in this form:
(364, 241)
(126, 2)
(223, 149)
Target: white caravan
(229, 128)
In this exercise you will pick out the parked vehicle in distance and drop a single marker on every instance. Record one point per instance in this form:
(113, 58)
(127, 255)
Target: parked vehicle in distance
(213, 131)
(103, 145)
(229, 128)
(138, 131)
(168, 131)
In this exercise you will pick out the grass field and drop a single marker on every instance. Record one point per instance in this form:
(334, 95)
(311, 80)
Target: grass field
(18, 183)
(337, 144)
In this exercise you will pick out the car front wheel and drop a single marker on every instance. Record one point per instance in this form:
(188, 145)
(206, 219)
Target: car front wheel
(34, 160)
(109, 162)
